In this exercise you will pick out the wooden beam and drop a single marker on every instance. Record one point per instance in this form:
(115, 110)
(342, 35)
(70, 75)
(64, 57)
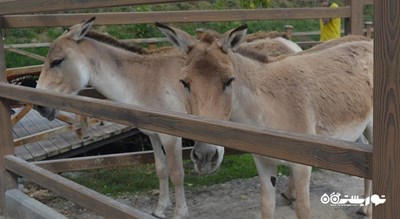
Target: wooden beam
(12, 73)
(51, 20)
(386, 156)
(35, 6)
(316, 151)
(103, 161)
(354, 24)
(108, 161)
(45, 134)
(18, 116)
(29, 54)
(7, 179)
(357, 16)
(79, 194)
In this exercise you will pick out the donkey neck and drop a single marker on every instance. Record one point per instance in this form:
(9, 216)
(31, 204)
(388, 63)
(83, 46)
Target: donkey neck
(256, 101)
(246, 107)
(123, 76)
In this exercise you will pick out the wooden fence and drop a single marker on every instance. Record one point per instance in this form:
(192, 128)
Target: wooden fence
(354, 159)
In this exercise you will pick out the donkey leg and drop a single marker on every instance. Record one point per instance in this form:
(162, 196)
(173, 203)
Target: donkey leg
(173, 150)
(267, 174)
(365, 139)
(162, 172)
(366, 210)
(301, 176)
(290, 194)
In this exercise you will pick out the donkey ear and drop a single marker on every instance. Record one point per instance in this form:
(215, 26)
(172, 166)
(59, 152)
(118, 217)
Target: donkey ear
(179, 38)
(78, 31)
(233, 38)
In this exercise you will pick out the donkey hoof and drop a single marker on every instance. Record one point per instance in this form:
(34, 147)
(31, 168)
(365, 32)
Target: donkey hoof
(362, 213)
(288, 200)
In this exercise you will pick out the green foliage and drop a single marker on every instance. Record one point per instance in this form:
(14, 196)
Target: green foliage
(251, 4)
(15, 60)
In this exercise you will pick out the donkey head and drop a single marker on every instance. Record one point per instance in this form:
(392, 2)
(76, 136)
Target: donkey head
(208, 80)
(65, 69)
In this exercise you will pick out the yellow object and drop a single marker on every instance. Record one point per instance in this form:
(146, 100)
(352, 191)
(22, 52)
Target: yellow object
(331, 30)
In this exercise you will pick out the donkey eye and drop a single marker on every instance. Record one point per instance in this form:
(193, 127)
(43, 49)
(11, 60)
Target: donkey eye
(56, 63)
(185, 84)
(228, 82)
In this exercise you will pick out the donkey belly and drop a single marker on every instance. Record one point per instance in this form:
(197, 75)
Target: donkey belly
(352, 132)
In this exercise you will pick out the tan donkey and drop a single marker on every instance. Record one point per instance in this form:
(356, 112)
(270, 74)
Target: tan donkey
(80, 58)
(326, 92)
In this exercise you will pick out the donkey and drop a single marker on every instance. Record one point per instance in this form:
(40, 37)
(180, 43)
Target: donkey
(127, 74)
(327, 93)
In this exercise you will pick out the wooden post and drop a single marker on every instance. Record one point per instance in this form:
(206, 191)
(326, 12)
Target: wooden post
(289, 31)
(368, 27)
(354, 24)
(7, 179)
(386, 151)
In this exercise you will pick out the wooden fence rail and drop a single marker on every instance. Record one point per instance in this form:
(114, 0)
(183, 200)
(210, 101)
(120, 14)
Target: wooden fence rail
(310, 150)
(35, 6)
(173, 16)
(87, 198)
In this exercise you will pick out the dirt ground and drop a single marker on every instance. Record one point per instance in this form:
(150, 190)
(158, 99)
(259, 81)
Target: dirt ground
(237, 199)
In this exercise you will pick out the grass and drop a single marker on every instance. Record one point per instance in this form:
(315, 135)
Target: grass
(143, 178)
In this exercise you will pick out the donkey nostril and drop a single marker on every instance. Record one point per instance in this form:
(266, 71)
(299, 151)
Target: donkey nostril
(195, 156)
(215, 157)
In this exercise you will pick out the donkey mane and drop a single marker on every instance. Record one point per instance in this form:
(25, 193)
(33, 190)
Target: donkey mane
(104, 38)
(262, 35)
(253, 53)
(209, 36)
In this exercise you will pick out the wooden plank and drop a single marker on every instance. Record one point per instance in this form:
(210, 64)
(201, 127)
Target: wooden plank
(23, 153)
(79, 194)
(108, 161)
(26, 45)
(34, 6)
(34, 148)
(7, 180)
(20, 131)
(99, 162)
(45, 143)
(19, 115)
(72, 140)
(386, 156)
(89, 147)
(43, 135)
(36, 151)
(57, 141)
(21, 71)
(51, 20)
(316, 151)
(357, 16)
(28, 54)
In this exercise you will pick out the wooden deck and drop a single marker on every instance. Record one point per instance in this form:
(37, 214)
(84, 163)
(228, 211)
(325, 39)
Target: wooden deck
(65, 143)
